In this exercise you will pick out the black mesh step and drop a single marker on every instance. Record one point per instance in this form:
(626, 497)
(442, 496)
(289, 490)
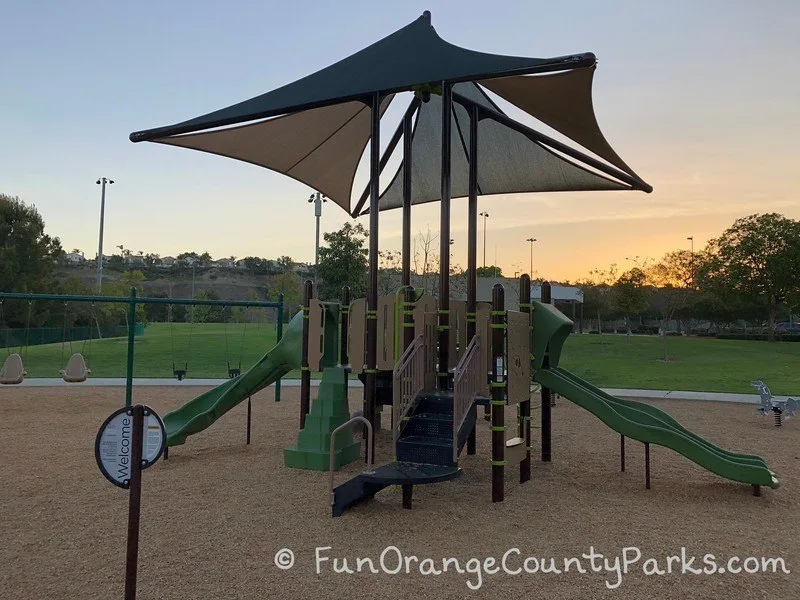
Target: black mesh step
(425, 449)
(435, 403)
(429, 424)
(399, 473)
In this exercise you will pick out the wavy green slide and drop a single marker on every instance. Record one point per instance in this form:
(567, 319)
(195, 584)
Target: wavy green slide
(201, 412)
(645, 423)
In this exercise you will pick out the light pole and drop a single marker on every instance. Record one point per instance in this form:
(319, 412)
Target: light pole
(531, 240)
(691, 255)
(317, 199)
(485, 216)
(102, 181)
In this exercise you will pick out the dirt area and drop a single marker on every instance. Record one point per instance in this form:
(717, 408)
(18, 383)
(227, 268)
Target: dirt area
(215, 514)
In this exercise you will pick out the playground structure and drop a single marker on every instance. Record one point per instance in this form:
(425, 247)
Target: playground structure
(511, 352)
(780, 409)
(434, 361)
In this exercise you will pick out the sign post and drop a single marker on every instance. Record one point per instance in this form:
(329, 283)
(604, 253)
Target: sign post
(130, 440)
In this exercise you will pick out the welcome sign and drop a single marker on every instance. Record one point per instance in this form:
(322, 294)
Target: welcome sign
(113, 445)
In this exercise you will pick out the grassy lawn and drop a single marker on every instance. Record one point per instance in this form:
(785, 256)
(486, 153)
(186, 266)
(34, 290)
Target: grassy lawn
(697, 364)
(201, 346)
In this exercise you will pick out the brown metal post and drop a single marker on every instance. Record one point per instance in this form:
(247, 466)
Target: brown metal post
(249, 413)
(498, 393)
(371, 347)
(472, 226)
(524, 429)
(408, 492)
(345, 324)
(134, 502)
(647, 465)
(547, 298)
(408, 296)
(305, 371)
(622, 453)
(444, 241)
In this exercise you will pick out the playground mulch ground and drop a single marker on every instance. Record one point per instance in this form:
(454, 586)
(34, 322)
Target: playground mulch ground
(215, 514)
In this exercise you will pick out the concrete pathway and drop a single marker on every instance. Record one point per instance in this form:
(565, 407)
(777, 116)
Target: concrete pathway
(622, 393)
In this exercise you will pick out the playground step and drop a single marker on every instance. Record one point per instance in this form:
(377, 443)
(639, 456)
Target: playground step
(426, 449)
(399, 473)
(367, 484)
(429, 424)
(435, 402)
(352, 492)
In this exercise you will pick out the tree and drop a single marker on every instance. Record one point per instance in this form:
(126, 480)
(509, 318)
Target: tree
(343, 262)
(426, 260)
(286, 283)
(109, 313)
(27, 254)
(597, 293)
(390, 272)
(285, 263)
(759, 257)
(629, 294)
(205, 313)
(490, 271)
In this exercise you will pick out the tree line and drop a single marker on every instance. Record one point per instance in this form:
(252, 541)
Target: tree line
(750, 273)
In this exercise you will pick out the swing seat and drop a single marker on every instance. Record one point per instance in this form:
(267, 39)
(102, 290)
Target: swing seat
(12, 371)
(76, 370)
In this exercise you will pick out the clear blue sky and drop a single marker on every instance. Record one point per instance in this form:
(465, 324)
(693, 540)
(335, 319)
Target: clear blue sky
(699, 97)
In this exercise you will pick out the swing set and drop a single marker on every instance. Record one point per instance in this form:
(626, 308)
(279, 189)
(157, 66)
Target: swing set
(13, 370)
(77, 368)
(75, 371)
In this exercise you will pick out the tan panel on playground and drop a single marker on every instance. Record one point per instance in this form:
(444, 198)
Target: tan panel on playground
(356, 332)
(386, 360)
(485, 339)
(316, 328)
(515, 450)
(426, 304)
(458, 331)
(518, 358)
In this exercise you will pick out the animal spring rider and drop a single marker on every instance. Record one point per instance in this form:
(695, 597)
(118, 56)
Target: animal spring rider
(779, 408)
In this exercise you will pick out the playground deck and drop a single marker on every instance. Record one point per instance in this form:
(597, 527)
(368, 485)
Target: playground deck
(216, 513)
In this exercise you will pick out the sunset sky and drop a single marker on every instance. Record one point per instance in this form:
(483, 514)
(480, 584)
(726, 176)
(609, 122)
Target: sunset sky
(700, 98)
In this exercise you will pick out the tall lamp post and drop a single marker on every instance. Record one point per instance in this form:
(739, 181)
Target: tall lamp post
(531, 240)
(317, 199)
(485, 216)
(691, 239)
(102, 181)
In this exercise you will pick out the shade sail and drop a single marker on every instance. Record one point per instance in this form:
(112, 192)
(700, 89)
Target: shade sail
(508, 161)
(320, 147)
(411, 56)
(562, 101)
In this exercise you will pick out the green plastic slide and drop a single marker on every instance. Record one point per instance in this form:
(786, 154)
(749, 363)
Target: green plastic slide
(201, 412)
(648, 424)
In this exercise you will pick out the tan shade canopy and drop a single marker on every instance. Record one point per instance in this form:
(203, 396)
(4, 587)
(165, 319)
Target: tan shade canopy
(562, 101)
(508, 161)
(320, 147)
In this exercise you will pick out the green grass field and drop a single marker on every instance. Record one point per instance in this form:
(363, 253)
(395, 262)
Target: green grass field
(697, 364)
(202, 346)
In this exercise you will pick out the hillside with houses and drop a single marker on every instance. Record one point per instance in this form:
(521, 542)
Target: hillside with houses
(187, 274)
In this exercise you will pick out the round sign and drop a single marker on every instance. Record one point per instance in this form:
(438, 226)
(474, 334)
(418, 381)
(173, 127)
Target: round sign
(113, 445)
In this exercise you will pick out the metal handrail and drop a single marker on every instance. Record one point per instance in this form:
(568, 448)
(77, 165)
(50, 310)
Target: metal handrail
(466, 382)
(349, 423)
(408, 362)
